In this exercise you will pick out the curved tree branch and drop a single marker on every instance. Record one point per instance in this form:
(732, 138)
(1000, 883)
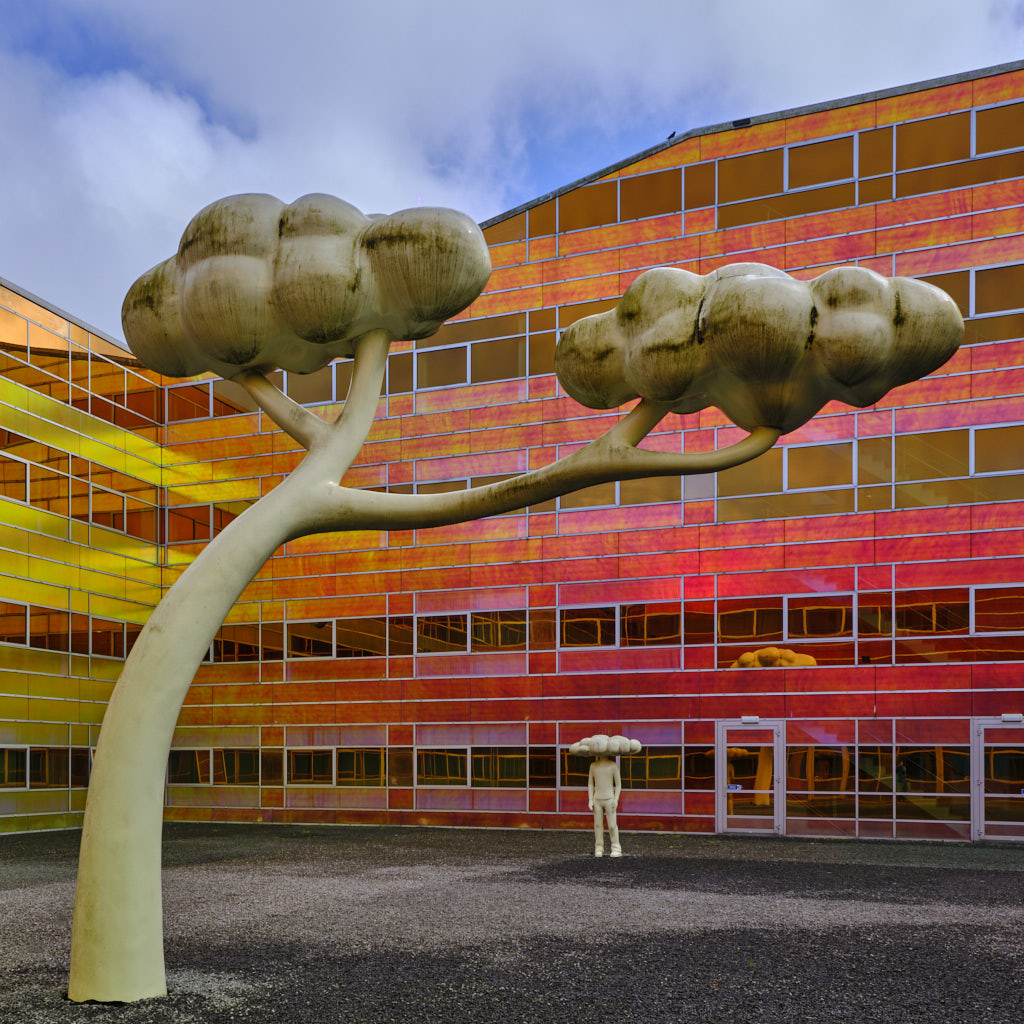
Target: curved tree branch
(298, 423)
(613, 456)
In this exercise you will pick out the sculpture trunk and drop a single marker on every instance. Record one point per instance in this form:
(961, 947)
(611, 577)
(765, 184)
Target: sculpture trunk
(117, 933)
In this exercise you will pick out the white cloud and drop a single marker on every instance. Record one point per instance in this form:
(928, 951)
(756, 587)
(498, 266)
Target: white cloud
(122, 119)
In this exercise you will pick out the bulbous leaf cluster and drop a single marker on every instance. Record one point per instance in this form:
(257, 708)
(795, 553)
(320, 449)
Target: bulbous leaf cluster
(600, 743)
(258, 284)
(767, 349)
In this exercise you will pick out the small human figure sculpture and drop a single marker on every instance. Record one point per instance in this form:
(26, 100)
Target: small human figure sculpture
(603, 787)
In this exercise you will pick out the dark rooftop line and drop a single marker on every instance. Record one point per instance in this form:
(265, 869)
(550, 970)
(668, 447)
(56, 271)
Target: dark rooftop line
(814, 108)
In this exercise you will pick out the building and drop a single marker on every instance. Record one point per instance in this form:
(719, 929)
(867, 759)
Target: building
(437, 676)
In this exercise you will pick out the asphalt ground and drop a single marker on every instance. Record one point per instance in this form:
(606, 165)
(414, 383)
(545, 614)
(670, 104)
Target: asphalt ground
(284, 924)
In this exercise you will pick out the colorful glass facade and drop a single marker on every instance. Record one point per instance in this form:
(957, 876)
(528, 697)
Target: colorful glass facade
(438, 676)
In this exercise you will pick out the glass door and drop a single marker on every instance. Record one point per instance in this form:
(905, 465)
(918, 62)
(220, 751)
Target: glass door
(748, 777)
(997, 779)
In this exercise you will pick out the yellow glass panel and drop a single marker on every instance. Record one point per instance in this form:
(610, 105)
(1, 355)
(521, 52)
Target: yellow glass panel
(650, 491)
(874, 460)
(999, 449)
(588, 497)
(542, 353)
(943, 453)
(826, 465)
(762, 475)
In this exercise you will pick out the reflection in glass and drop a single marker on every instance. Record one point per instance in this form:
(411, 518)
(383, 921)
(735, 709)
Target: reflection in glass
(499, 767)
(361, 766)
(312, 767)
(13, 761)
(543, 766)
(236, 767)
(649, 625)
(699, 768)
(188, 768)
(441, 767)
(938, 769)
(437, 633)
(588, 627)
(652, 768)
(499, 631)
(874, 769)
(575, 770)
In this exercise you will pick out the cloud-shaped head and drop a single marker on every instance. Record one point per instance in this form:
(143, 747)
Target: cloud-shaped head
(600, 743)
(765, 348)
(257, 283)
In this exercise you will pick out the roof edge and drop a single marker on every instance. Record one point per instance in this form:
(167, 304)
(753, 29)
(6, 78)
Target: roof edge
(746, 122)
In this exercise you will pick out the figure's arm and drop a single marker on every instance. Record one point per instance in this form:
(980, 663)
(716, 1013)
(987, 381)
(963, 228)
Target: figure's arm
(616, 783)
(590, 786)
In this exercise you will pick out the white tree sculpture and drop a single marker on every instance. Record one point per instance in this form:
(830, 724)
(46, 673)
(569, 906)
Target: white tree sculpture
(257, 284)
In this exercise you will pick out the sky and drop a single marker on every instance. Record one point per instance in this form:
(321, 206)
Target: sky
(120, 119)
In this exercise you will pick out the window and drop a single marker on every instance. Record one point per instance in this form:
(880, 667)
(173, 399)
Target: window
(499, 631)
(188, 768)
(311, 639)
(649, 625)
(361, 766)
(310, 767)
(361, 638)
(13, 764)
(441, 767)
(588, 627)
(48, 767)
(440, 633)
(499, 767)
(236, 768)
(652, 768)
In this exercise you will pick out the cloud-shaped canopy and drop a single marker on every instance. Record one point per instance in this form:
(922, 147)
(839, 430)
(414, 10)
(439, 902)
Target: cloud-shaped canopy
(260, 284)
(765, 348)
(772, 657)
(601, 743)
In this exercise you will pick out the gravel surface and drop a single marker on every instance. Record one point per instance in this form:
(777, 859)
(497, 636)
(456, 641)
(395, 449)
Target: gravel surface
(296, 924)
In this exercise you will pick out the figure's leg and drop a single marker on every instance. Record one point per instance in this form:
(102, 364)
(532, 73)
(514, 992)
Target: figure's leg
(613, 829)
(598, 830)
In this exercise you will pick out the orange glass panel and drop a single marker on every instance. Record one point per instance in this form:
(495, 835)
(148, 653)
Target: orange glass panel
(589, 497)
(999, 128)
(936, 140)
(819, 162)
(756, 174)
(875, 152)
(999, 288)
(957, 285)
(700, 185)
(960, 175)
(400, 373)
(511, 229)
(542, 219)
(875, 190)
(498, 360)
(793, 204)
(441, 368)
(588, 206)
(650, 195)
